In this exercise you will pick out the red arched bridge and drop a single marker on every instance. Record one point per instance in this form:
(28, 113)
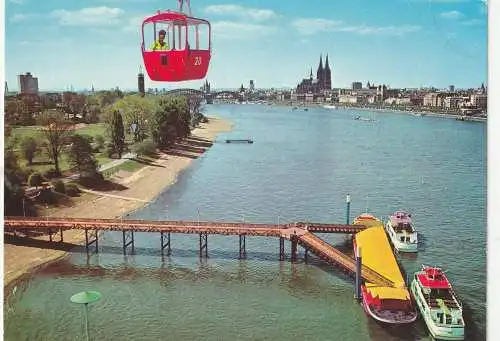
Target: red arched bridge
(297, 233)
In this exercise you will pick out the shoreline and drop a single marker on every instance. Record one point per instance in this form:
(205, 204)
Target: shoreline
(376, 109)
(144, 186)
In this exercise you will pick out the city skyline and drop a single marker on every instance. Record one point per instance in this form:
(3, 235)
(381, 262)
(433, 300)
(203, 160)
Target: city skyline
(428, 43)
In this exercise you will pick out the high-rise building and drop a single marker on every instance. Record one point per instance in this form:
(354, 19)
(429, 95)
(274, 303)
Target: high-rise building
(452, 88)
(6, 89)
(140, 82)
(28, 84)
(252, 85)
(357, 86)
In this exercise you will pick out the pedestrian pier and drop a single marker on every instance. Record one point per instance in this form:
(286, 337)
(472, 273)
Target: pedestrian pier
(296, 233)
(239, 141)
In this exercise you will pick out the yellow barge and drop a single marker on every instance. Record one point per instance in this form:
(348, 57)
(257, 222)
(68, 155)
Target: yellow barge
(385, 304)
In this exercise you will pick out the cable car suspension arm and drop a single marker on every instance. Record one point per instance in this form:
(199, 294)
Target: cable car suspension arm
(181, 4)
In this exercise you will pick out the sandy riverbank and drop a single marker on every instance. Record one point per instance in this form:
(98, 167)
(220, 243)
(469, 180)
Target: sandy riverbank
(21, 257)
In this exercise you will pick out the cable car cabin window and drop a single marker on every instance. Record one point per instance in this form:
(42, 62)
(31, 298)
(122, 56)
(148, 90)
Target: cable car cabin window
(198, 36)
(175, 35)
(151, 36)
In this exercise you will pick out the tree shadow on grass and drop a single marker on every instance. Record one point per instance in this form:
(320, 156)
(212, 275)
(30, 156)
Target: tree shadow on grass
(101, 185)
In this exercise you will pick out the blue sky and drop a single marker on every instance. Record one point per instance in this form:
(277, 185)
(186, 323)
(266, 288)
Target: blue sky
(402, 43)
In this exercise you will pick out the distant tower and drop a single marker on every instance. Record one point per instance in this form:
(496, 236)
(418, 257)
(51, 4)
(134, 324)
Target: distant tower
(92, 88)
(252, 85)
(368, 85)
(483, 89)
(27, 84)
(6, 89)
(320, 73)
(452, 88)
(311, 74)
(140, 82)
(328, 76)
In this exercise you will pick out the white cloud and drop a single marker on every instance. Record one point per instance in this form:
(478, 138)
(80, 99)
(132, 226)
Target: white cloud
(473, 22)
(21, 17)
(237, 30)
(243, 12)
(92, 16)
(312, 26)
(447, 1)
(134, 23)
(451, 15)
(442, 1)
(45, 43)
(18, 2)
(381, 30)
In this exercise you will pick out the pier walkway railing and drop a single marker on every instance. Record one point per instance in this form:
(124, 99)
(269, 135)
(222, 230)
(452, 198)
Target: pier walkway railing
(299, 232)
(330, 254)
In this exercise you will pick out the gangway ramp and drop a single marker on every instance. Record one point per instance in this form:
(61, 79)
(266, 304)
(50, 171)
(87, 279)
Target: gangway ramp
(327, 252)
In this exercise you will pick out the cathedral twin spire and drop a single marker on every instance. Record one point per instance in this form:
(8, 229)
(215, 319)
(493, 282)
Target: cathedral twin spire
(324, 74)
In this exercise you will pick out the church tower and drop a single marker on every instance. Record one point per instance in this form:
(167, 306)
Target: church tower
(320, 73)
(328, 76)
(140, 82)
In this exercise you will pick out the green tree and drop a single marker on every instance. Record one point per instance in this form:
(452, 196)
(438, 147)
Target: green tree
(99, 142)
(81, 157)
(59, 186)
(92, 109)
(171, 120)
(29, 148)
(116, 132)
(13, 179)
(146, 147)
(183, 124)
(35, 179)
(56, 130)
(136, 110)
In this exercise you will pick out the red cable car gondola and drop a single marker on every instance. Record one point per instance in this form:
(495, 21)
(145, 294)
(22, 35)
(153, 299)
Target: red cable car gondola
(186, 55)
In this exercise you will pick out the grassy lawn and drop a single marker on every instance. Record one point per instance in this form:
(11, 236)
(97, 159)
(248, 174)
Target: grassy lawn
(21, 132)
(41, 162)
(90, 129)
(93, 130)
(130, 165)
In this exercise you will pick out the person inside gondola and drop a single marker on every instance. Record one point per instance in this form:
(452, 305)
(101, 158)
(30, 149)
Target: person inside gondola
(160, 44)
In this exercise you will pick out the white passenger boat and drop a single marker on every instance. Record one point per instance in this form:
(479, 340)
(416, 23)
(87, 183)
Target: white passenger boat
(438, 304)
(401, 232)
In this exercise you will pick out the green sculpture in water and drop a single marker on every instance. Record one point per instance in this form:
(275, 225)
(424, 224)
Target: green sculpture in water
(85, 298)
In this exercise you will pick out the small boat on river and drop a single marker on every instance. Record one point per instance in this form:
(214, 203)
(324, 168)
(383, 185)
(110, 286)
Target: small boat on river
(401, 232)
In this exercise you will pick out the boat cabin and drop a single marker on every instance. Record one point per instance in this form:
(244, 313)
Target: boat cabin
(401, 222)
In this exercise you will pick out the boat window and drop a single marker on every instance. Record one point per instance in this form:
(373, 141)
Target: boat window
(402, 239)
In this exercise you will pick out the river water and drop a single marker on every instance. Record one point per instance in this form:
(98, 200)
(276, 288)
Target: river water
(300, 168)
